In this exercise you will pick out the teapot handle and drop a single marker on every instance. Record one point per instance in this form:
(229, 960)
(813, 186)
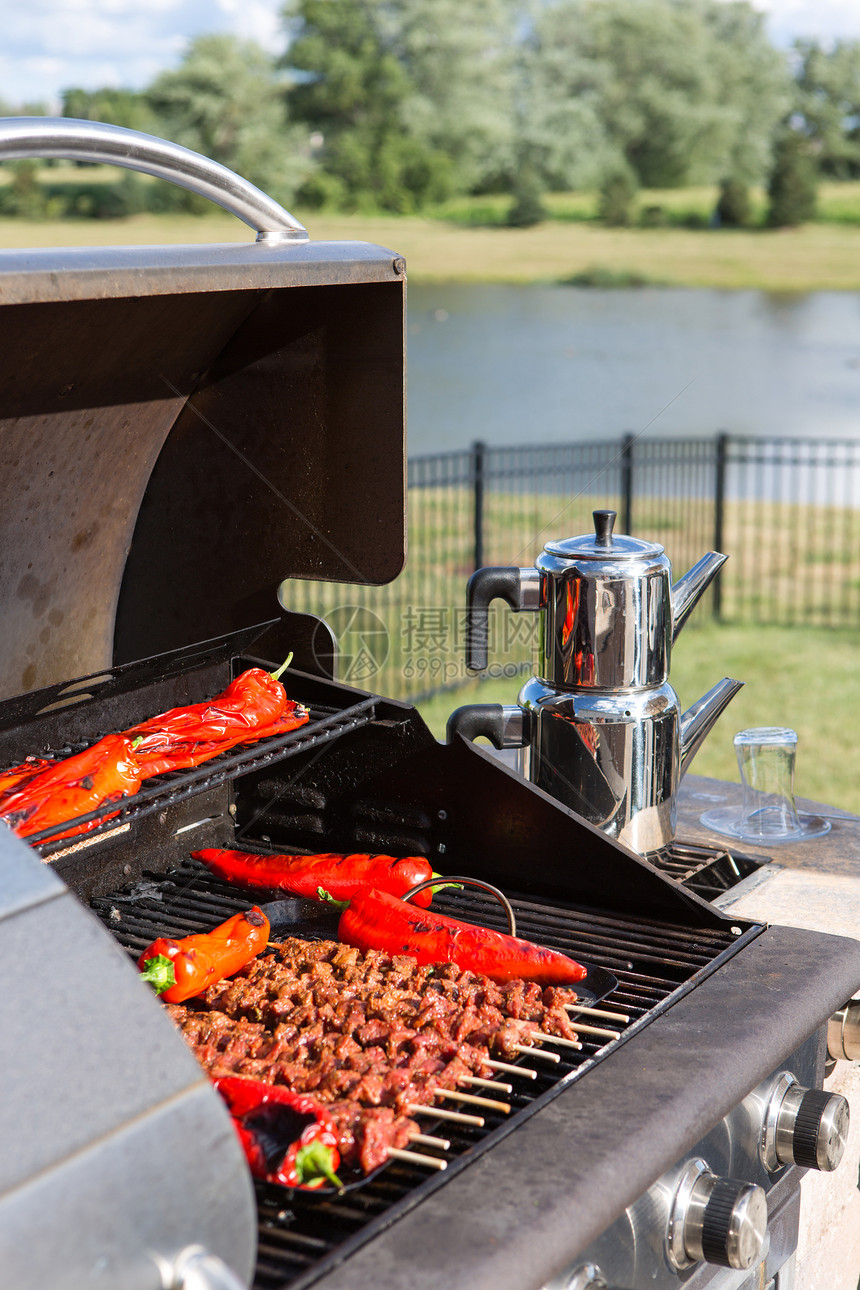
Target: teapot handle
(519, 588)
(506, 725)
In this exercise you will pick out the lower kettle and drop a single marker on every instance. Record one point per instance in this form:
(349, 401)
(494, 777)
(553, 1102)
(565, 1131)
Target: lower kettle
(616, 758)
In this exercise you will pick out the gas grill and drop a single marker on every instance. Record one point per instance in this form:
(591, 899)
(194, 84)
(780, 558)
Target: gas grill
(183, 431)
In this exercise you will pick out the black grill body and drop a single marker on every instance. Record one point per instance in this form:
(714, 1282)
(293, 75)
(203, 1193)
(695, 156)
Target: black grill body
(589, 1133)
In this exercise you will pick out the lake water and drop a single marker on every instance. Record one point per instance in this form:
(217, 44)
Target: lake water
(518, 365)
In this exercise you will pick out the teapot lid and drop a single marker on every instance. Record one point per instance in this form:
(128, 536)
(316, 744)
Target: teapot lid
(603, 544)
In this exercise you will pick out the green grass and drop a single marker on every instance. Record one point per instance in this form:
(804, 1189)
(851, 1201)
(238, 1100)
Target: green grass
(467, 241)
(808, 679)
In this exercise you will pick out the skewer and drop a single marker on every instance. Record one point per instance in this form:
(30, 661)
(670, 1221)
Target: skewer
(508, 1068)
(476, 1082)
(471, 1100)
(426, 1140)
(543, 1037)
(600, 1031)
(536, 1052)
(597, 1012)
(415, 1108)
(416, 1158)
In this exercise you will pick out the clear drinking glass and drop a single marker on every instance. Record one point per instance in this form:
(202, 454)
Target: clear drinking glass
(768, 812)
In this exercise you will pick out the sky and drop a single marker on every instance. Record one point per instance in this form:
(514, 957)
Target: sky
(47, 46)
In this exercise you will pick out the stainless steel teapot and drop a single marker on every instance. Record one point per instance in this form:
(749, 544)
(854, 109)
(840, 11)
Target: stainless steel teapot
(600, 727)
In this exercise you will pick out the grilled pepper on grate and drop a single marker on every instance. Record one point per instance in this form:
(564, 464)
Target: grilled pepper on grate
(16, 776)
(105, 772)
(378, 921)
(288, 1139)
(178, 970)
(253, 706)
(341, 875)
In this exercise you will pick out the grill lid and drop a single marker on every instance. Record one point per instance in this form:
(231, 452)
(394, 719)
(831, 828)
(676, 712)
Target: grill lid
(183, 428)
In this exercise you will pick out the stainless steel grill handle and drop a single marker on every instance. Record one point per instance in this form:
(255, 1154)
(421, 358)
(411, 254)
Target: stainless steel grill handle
(65, 139)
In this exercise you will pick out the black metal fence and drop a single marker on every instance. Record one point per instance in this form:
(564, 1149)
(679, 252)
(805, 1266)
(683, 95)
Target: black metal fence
(786, 512)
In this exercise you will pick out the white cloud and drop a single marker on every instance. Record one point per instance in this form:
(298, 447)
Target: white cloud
(47, 46)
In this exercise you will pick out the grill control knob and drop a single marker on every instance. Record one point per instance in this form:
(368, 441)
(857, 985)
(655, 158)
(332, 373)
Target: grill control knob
(843, 1033)
(803, 1126)
(715, 1220)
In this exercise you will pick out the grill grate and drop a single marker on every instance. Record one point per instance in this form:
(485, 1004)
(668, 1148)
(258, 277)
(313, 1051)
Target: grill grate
(172, 787)
(704, 870)
(655, 962)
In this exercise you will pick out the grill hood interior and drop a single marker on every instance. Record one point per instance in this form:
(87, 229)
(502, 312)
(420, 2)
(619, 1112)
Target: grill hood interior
(183, 428)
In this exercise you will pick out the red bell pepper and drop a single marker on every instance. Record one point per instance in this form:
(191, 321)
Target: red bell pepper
(341, 875)
(105, 772)
(288, 1139)
(374, 920)
(178, 970)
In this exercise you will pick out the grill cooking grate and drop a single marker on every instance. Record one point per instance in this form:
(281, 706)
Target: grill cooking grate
(172, 787)
(705, 870)
(301, 1237)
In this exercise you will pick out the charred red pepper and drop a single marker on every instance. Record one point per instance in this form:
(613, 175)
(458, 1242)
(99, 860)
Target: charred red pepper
(178, 970)
(16, 776)
(288, 1139)
(374, 920)
(105, 772)
(252, 707)
(341, 875)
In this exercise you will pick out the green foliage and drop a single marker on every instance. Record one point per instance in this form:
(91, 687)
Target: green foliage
(679, 90)
(793, 186)
(617, 197)
(114, 106)
(828, 102)
(527, 207)
(225, 101)
(734, 207)
(409, 97)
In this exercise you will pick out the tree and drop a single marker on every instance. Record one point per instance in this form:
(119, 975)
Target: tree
(679, 91)
(411, 97)
(828, 102)
(225, 101)
(734, 208)
(115, 106)
(792, 185)
(617, 195)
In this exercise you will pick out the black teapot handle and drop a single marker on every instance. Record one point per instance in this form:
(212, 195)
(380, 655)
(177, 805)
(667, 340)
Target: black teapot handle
(505, 725)
(497, 582)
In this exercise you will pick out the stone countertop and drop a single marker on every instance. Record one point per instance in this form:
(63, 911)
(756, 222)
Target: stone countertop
(813, 884)
(835, 852)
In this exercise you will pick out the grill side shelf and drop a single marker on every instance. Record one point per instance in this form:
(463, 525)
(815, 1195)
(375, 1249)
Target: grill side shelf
(166, 790)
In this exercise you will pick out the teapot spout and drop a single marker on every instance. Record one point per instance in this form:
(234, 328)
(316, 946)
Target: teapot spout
(698, 721)
(687, 590)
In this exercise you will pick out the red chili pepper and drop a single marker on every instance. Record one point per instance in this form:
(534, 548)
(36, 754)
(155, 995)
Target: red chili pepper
(105, 772)
(374, 920)
(288, 1139)
(250, 703)
(341, 875)
(253, 706)
(158, 755)
(178, 970)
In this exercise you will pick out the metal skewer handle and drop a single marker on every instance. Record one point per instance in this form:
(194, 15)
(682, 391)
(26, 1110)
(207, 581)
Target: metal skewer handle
(457, 880)
(70, 140)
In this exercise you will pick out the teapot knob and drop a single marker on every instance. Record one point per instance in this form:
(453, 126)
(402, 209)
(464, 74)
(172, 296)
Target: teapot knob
(604, 522)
